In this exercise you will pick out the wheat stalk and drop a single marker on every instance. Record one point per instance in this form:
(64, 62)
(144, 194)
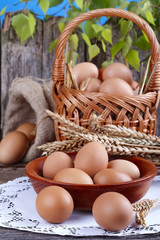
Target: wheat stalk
(65, 122)
(119, 131)
(113, 146)
(124, 142)
(65, 146)
(142, 208)
(123, 134)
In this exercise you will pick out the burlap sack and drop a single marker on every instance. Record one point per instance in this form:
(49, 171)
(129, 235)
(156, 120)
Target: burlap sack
(28, 99)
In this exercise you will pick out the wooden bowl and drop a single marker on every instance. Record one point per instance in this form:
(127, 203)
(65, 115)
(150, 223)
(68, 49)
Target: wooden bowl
(85, 195)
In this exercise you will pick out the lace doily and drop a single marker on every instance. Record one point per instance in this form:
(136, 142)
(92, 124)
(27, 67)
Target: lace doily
(17, 210)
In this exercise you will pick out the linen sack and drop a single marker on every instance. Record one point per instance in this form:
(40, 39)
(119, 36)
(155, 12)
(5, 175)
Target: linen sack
(29, 97)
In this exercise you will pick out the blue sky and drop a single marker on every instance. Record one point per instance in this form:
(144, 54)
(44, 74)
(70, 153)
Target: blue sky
(13, 6)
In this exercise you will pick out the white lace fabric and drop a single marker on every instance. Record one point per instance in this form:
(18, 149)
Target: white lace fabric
(18, 211)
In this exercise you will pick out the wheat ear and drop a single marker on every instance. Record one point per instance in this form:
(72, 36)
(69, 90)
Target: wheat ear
(142, 208)
(113, 146)
(119, 131)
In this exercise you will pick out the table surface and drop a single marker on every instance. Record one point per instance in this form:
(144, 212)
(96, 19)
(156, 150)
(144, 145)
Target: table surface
(11, 172)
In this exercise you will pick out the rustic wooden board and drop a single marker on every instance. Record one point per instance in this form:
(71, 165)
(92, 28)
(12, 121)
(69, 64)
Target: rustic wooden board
(30, 58)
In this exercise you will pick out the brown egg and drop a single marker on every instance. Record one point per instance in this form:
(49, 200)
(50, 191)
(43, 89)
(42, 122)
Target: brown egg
(126, 167)
(28, 130)
(117, 70)
(116, 87)
(111, 176)
(91, 158)
(100, 72)
(134, 85)
(73, 175)
(55, 162)
(92, 86)
(13, 147)
(112, 211)
(84, 70)
(54, 204)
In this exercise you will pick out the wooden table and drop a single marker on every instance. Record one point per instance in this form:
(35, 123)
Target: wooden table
(18, 170)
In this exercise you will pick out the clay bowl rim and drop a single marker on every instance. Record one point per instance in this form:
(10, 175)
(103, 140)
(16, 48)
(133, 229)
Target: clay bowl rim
(32, 173)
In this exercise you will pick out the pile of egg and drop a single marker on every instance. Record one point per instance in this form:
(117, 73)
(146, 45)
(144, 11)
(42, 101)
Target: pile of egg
(90, 166)
(16, 143)
(116, 79)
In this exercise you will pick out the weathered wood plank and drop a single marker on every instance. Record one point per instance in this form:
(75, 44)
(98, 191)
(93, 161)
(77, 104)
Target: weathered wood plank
(30, 58)
(19, 60)
(11, 173)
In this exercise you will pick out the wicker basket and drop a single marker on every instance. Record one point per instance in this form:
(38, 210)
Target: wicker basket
(138, 112)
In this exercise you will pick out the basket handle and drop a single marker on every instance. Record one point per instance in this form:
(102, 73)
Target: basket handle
(59, 61)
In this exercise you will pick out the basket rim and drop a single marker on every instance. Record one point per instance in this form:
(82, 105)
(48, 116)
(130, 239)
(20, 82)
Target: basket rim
(58, 71)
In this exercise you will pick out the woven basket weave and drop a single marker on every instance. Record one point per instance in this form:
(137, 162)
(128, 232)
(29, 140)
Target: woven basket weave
(137, 112)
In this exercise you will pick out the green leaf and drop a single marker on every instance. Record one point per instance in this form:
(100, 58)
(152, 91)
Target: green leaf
(74, 39)
(141, 43)
(44, 5)
(72, 13)
(89, 31)
(135, 35)
(134, 7)
(3, 11)
(97, 28)
(126, 47)
(32, 23)
(74, 57)
(52, 45)
(145, 36)
(103, 45)
(125, 27)
(61, 26)
(106, 63)
(79, 3)
(107, 35)
(93, 51)
(116, 48)
(149, 17)
(86, 39)
(142, 2)
(146, 5)
(105, 3)
(124, 5)
(20, 23)
(54, 3)
(133, 59)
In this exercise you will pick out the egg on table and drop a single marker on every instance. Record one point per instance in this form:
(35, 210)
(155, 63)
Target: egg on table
(13, 147)
(28, 129)
(112, 211)
(54, 204)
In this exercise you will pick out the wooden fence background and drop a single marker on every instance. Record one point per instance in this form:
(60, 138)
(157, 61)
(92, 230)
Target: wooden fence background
(32, 58)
